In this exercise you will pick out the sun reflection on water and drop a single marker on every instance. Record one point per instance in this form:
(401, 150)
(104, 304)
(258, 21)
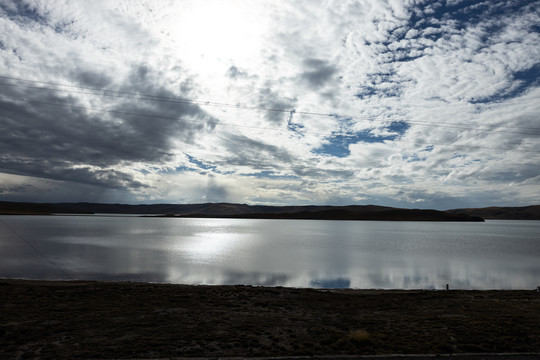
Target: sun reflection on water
(209, 247)
(216, 242)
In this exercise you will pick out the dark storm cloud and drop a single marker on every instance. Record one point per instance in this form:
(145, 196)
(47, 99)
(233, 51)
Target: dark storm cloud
(22, 13)
(159, 100)
(92, 79)
(245, 151)
(269, 99)
(56, 135)
(318, 72)
(9, 189)
(63, 170)
(42, 131)
(318, 173)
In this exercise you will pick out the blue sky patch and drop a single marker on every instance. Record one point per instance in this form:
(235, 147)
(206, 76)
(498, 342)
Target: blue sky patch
(270, 174)
(398, 127)
(429, 19)
(464, 14)
(366, 92)
(522, 81)
(292, 126)
(199, 163)
(383, 92)
(338, 145)
(332, 283)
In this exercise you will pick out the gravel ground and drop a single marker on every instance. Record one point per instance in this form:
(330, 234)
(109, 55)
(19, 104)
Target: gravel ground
(105, 320)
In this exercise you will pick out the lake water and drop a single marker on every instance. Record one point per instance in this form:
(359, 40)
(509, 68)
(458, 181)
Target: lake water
(297, 253)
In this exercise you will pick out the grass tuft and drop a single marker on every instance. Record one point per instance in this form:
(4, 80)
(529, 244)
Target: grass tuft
(360, 336)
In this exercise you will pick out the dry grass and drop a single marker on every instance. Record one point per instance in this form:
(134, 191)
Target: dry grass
(64, 320)
(360, 336)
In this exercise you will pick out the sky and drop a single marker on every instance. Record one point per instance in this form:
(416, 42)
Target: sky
(406, 103)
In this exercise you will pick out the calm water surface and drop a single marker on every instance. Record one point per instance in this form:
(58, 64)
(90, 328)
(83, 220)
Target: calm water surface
(299, 253)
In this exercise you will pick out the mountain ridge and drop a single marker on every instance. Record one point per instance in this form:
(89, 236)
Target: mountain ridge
(232, 210)
(177, 209)
(531, 212)
(222, 209)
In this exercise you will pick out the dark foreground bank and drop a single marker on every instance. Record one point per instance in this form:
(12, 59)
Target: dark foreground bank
(53, 320)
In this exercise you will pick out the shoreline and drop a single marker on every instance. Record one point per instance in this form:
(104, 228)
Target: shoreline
(61, 281)
(60, 319)
(328, 212)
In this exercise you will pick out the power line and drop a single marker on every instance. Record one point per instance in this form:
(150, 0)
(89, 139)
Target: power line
(36, 249)
(334, 134)
(158, 116)
(283, 110)
(166, 98)
(237, 106)
(137, 96)
(302, 168)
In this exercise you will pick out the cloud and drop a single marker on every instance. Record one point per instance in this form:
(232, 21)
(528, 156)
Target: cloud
(61, 135)
(235, 73)
(428, 104)
(33, 189)
(257, 155)
(272, 100)
(318, 72)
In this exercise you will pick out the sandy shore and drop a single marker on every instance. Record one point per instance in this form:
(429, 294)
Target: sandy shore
(81, 319)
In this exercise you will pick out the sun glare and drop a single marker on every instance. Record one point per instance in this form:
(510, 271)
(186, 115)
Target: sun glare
(216, 34)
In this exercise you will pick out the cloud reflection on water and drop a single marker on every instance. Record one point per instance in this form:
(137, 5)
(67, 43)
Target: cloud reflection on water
(265, 253)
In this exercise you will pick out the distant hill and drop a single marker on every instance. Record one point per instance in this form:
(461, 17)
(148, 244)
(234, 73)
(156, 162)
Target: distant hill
(345, 214)
(228, 210)
(177, 209)
(503, 213)
(23, 208)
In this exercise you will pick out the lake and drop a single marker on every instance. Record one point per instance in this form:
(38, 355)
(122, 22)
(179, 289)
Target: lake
(499, 254)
